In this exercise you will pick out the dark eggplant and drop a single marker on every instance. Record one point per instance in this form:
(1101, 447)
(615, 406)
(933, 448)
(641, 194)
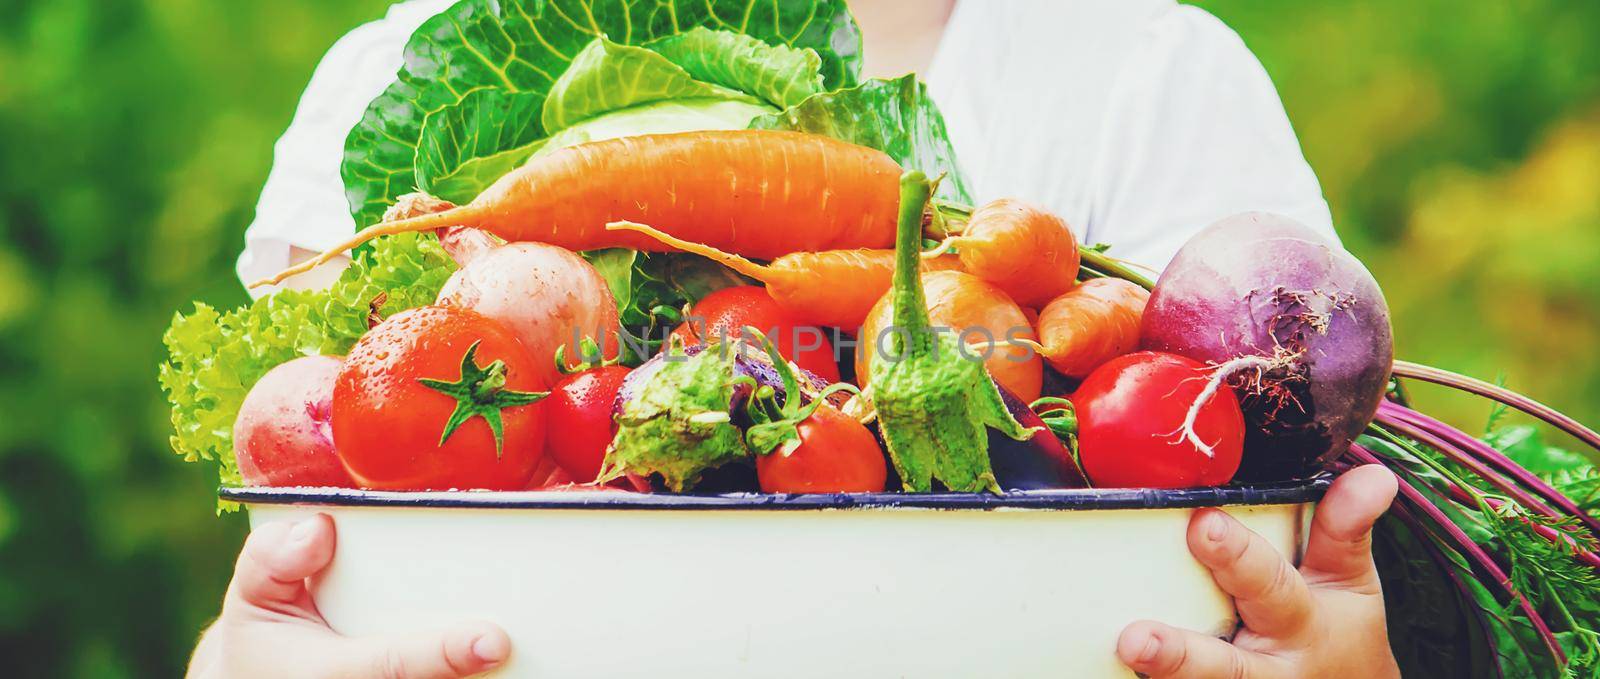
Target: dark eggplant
(1041, 462)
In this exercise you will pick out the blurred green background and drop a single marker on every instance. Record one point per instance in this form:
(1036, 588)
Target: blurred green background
(1459, 144)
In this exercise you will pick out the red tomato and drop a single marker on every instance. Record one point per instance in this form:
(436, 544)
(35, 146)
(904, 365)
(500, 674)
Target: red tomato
(1130, 419)
(579, 409)
(548, 473)
(726, 312)
(836, 454)
(408, 379)
(281, 436)
(557, 478)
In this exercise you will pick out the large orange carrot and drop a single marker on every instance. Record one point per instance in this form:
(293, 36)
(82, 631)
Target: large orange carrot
(757, 193)
(1021, 248)
(831, 287)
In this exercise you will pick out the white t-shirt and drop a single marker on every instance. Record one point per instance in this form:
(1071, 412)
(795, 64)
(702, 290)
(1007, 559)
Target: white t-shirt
(1139, 121)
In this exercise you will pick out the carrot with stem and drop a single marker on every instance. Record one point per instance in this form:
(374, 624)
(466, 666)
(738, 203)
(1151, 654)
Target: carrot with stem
(758, 193)
(832, 287)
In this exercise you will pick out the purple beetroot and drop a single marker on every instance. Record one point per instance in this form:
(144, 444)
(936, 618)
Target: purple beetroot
(1290, 320)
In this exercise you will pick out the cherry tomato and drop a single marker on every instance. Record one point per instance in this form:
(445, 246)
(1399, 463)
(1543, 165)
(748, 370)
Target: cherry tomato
(281, 436)
(1131, 412)
(726, 312)
(420, 397)
(836, 454)
(579, 409)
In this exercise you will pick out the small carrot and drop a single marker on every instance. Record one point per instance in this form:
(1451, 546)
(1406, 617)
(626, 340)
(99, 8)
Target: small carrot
(981, 318)
(758, 193)
(831, 287)
(1020, 247)
(1091, 324)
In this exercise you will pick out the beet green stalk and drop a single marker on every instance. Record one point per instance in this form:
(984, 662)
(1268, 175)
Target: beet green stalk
(1400, 425)
(1486, 455)
(933, 402)
(1431, 547)
(1563, 530)
(1501, 394)
(1439, 524)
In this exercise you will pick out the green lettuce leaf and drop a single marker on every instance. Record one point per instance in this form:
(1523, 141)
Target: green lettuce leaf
(616, 266)
(524, 47)
(894, 116)
(782, 76)
(214, 358)
(643, 281)
(607, 76)
(466, 147)
(653, 288)
(664, 117)
(700, 80)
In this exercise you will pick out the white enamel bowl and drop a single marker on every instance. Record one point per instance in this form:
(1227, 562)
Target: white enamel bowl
(1029, 584)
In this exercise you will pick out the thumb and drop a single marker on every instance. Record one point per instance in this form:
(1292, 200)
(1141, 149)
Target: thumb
(462, 651)
(275, 562)
(1339, 550)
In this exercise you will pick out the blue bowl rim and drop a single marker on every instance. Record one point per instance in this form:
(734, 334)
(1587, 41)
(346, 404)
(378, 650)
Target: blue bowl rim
(1294, 492)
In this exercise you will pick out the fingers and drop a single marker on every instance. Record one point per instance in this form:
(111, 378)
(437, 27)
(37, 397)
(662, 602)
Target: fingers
(1163, 652)
(275, 562)
(1340, 545)
(463, 651)
(1271, 596)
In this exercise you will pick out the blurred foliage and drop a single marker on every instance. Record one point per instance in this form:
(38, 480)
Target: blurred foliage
(1459, 147)
(134, 136)
(1458, 143)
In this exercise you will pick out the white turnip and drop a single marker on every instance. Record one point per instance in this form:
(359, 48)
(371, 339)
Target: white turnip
(548, 296)
(1296, 324)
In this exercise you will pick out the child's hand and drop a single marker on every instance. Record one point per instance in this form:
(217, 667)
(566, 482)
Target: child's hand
(270, 628)
(1324, 620)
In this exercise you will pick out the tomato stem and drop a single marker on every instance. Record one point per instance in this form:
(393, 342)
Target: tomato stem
(590, 357)
(480, 392)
